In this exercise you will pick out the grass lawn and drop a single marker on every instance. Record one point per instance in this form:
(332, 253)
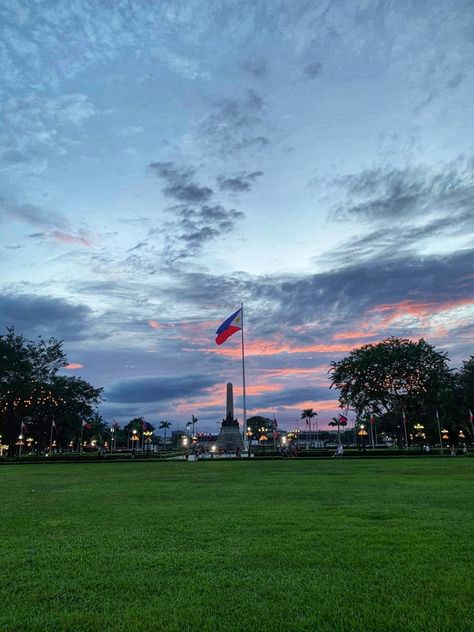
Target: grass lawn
(280, 545)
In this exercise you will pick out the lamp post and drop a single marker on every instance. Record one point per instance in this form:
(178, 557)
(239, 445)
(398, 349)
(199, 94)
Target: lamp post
(20, 443)
(363, 435)
(148, 435)
(419, 434)
(134, 439)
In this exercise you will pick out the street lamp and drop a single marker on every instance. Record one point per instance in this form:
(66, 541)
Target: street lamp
(362, 434)
(134, 439)
(148, 435)
(419, 434)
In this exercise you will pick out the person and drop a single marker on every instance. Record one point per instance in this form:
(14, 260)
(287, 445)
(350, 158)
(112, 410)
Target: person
(464, 448)
(339, 451)
(453, 451)
(427, 449)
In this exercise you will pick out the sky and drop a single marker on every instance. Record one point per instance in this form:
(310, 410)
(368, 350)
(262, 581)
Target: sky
(163, 162)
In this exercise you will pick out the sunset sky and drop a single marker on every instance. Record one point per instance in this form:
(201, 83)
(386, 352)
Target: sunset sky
(162, 162)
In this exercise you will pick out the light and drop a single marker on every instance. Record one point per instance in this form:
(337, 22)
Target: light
(283, 440)
(185, 441)
(213, 448)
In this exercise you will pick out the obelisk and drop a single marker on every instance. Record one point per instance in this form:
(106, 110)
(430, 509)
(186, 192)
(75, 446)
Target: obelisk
(229, 409)
(230, 439)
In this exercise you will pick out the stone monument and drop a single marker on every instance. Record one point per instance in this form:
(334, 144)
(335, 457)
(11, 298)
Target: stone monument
(229, 438)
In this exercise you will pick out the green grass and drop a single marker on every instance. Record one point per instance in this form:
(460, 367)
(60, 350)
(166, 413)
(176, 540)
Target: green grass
(281, 545)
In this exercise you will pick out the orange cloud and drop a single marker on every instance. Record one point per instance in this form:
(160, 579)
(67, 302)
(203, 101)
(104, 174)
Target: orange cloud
(70, 239)
(418, 310)
(350, 335)
(73, 365)
(275, 348)
(154, 324)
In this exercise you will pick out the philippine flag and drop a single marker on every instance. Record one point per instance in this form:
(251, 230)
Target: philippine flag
(229, 327)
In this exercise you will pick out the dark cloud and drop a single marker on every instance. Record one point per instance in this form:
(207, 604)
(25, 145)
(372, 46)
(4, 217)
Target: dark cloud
(330, 300)
(158, 389)
(192, 228)
(235, 124)
(30, 214)
(390, 243)
(390, 193)
(14, 156)
(44, 315)
(240, 183)
(340, 297)
(179, 184)
(313, 70)
(290, 396)
(257, 68)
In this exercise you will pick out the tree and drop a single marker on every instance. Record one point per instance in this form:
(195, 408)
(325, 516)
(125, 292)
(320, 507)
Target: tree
(32, 392)
(307, 415)
(258, 425)
(390, 378)
(340, 420)
(194, 421)
(164, 425)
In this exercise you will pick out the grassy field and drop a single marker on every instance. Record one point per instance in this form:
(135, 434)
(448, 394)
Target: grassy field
(282, 545)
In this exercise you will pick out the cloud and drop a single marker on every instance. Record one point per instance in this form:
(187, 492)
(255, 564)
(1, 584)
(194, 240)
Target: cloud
(158, 389)
(55, 226)
(72, 366)
(45, 315)
(193, 228)
(388, 193)
(179, 184)
(313, 70)
(239, 184)
(256, 68)
(236, 124)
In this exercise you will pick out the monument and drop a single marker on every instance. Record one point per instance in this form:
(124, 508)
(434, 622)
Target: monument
(229, 438)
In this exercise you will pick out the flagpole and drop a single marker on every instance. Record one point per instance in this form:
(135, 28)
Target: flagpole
(51, 437)
(405, 428)
(82, 437)
(244, 429)
(472, 425)
(439, 430)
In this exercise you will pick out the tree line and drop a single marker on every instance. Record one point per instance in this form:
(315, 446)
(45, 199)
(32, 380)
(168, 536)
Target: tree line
(394, 384)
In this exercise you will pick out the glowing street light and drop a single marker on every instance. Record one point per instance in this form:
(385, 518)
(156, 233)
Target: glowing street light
(134, 438)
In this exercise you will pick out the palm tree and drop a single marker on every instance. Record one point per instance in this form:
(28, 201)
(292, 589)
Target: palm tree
(165, 425)
(194, 421)
(307, 415)
(335, 422)
(340, 420)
